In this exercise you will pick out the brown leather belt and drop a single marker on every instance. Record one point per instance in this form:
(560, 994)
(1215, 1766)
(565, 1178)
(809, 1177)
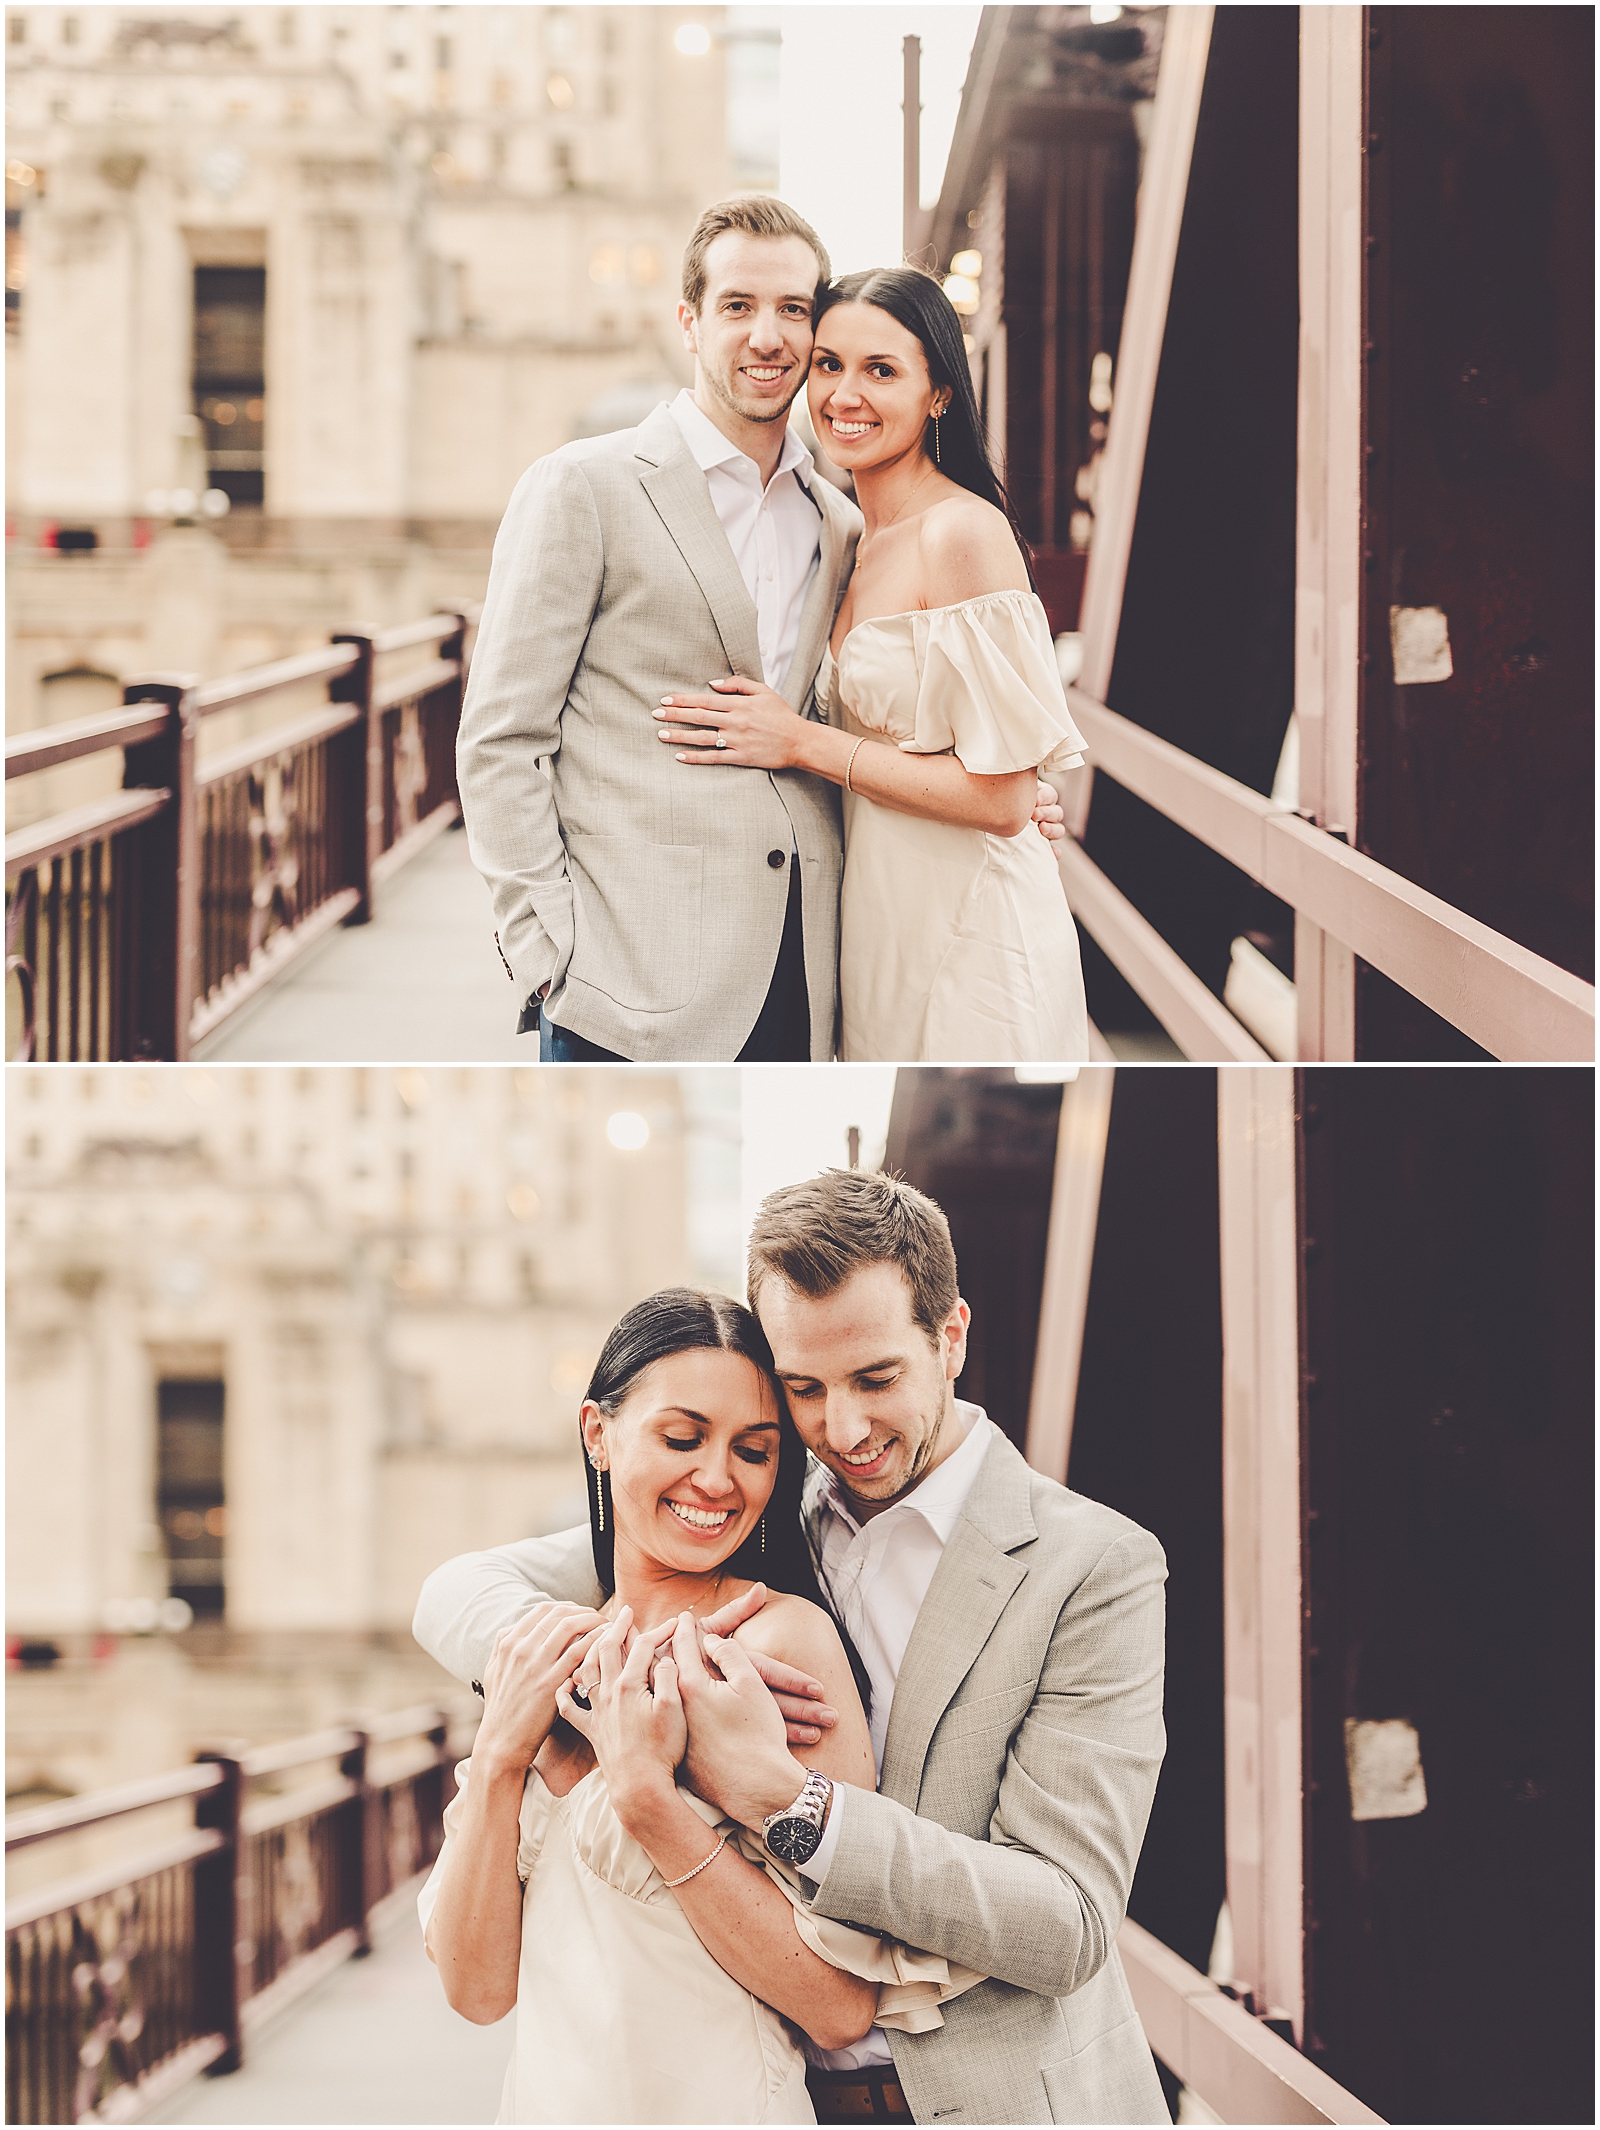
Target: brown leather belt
(856, 2096)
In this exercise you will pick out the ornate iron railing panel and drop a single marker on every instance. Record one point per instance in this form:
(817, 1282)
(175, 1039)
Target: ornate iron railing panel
(271, 863)
(139, 921)
(72, 917)
(99, 1996)
(126, 1981)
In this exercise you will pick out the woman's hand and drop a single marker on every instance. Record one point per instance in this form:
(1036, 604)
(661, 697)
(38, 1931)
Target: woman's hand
(635, 1721)
(741, 724)
(531, 1660)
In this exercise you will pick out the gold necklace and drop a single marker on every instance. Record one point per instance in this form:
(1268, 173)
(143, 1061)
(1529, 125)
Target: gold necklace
(861, 545)
(609, 1611)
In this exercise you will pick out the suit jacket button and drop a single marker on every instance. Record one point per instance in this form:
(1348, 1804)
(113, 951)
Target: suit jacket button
(775, 859)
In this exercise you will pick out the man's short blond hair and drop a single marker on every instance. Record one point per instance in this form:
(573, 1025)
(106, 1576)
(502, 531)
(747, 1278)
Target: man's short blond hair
(757, 214)
(814, 1236)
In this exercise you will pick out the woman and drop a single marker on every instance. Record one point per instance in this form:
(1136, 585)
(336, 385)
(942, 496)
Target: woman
(586, 1890)
(944, 704)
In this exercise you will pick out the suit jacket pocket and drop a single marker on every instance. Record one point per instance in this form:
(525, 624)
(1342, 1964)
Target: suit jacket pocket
(1113, 2080)
(1002, 1710)
(636, 920)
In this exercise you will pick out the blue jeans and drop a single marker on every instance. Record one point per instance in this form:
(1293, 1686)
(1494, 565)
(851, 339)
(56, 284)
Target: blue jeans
(562, 1046)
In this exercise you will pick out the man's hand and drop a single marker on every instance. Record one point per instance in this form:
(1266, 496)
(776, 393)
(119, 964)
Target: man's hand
(1049, 815)
(737, 1758)
(806, 1715)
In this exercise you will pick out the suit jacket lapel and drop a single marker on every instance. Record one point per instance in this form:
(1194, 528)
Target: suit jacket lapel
(677, 487)
(971, 1587)
(821, 603)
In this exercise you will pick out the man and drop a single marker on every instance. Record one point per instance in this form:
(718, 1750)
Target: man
(641, 913)
(1012, 1632)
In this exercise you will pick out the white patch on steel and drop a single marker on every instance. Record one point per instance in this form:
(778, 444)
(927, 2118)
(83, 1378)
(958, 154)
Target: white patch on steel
(1420, 639)
(1385, 1767)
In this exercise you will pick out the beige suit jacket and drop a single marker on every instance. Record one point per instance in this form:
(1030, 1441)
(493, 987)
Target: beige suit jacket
(648, 895)
(1020, 1763)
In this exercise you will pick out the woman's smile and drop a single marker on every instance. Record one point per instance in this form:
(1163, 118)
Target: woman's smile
(710, 1521)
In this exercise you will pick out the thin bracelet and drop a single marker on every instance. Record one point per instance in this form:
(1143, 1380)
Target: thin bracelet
(711, 1859)
(855, 750)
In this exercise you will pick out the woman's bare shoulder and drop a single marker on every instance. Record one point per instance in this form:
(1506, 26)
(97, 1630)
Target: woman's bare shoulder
(797, 1632)
(791, 1628)
(965, 548)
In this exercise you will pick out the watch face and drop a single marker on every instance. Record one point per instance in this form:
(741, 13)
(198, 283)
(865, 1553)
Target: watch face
(794, 1840)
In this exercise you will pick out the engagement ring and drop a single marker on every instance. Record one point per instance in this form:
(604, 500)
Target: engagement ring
(721, 742)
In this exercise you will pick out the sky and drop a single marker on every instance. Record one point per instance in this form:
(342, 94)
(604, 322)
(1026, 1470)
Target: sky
(840, 143)
(796, 1120)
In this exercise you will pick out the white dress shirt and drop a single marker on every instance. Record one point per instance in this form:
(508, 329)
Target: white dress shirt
(877, 1575)
(775, 532)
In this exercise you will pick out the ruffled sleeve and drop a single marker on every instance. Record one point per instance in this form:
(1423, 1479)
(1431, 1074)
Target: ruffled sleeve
(912, 1985)
(532, 1822)
(988, 688)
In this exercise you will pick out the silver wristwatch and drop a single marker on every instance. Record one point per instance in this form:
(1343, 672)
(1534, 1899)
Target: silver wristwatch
(794, 1836)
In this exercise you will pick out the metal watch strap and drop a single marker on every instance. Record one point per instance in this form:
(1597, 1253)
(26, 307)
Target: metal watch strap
(810, 1808)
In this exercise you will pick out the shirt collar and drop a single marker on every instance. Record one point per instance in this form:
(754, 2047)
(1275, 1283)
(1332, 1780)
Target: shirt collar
(709, 447)
(939, 1497)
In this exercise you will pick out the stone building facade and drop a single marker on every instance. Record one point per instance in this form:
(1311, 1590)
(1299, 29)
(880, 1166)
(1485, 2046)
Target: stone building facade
(354, 266)
(371, 1298)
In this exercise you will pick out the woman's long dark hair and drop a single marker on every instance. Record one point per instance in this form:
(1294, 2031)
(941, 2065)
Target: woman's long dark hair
(683, 1320)
(915, 300)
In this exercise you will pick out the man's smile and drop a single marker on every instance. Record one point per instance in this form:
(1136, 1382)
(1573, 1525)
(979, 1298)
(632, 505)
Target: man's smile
(867, 1463)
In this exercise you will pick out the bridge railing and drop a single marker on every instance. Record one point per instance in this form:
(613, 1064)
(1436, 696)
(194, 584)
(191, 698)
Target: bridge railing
(138, 921)
(123, 1982)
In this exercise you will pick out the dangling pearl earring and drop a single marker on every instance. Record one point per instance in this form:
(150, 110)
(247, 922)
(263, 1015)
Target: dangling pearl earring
(599, 1490)
(763, 1534)
(936, 459)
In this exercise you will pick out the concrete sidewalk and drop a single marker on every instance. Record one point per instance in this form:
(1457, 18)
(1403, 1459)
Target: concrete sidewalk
(422, 984)
(374, 2043)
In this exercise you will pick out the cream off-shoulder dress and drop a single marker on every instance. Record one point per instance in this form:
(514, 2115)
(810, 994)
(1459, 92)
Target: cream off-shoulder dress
(622, 2015)
(955, 945)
